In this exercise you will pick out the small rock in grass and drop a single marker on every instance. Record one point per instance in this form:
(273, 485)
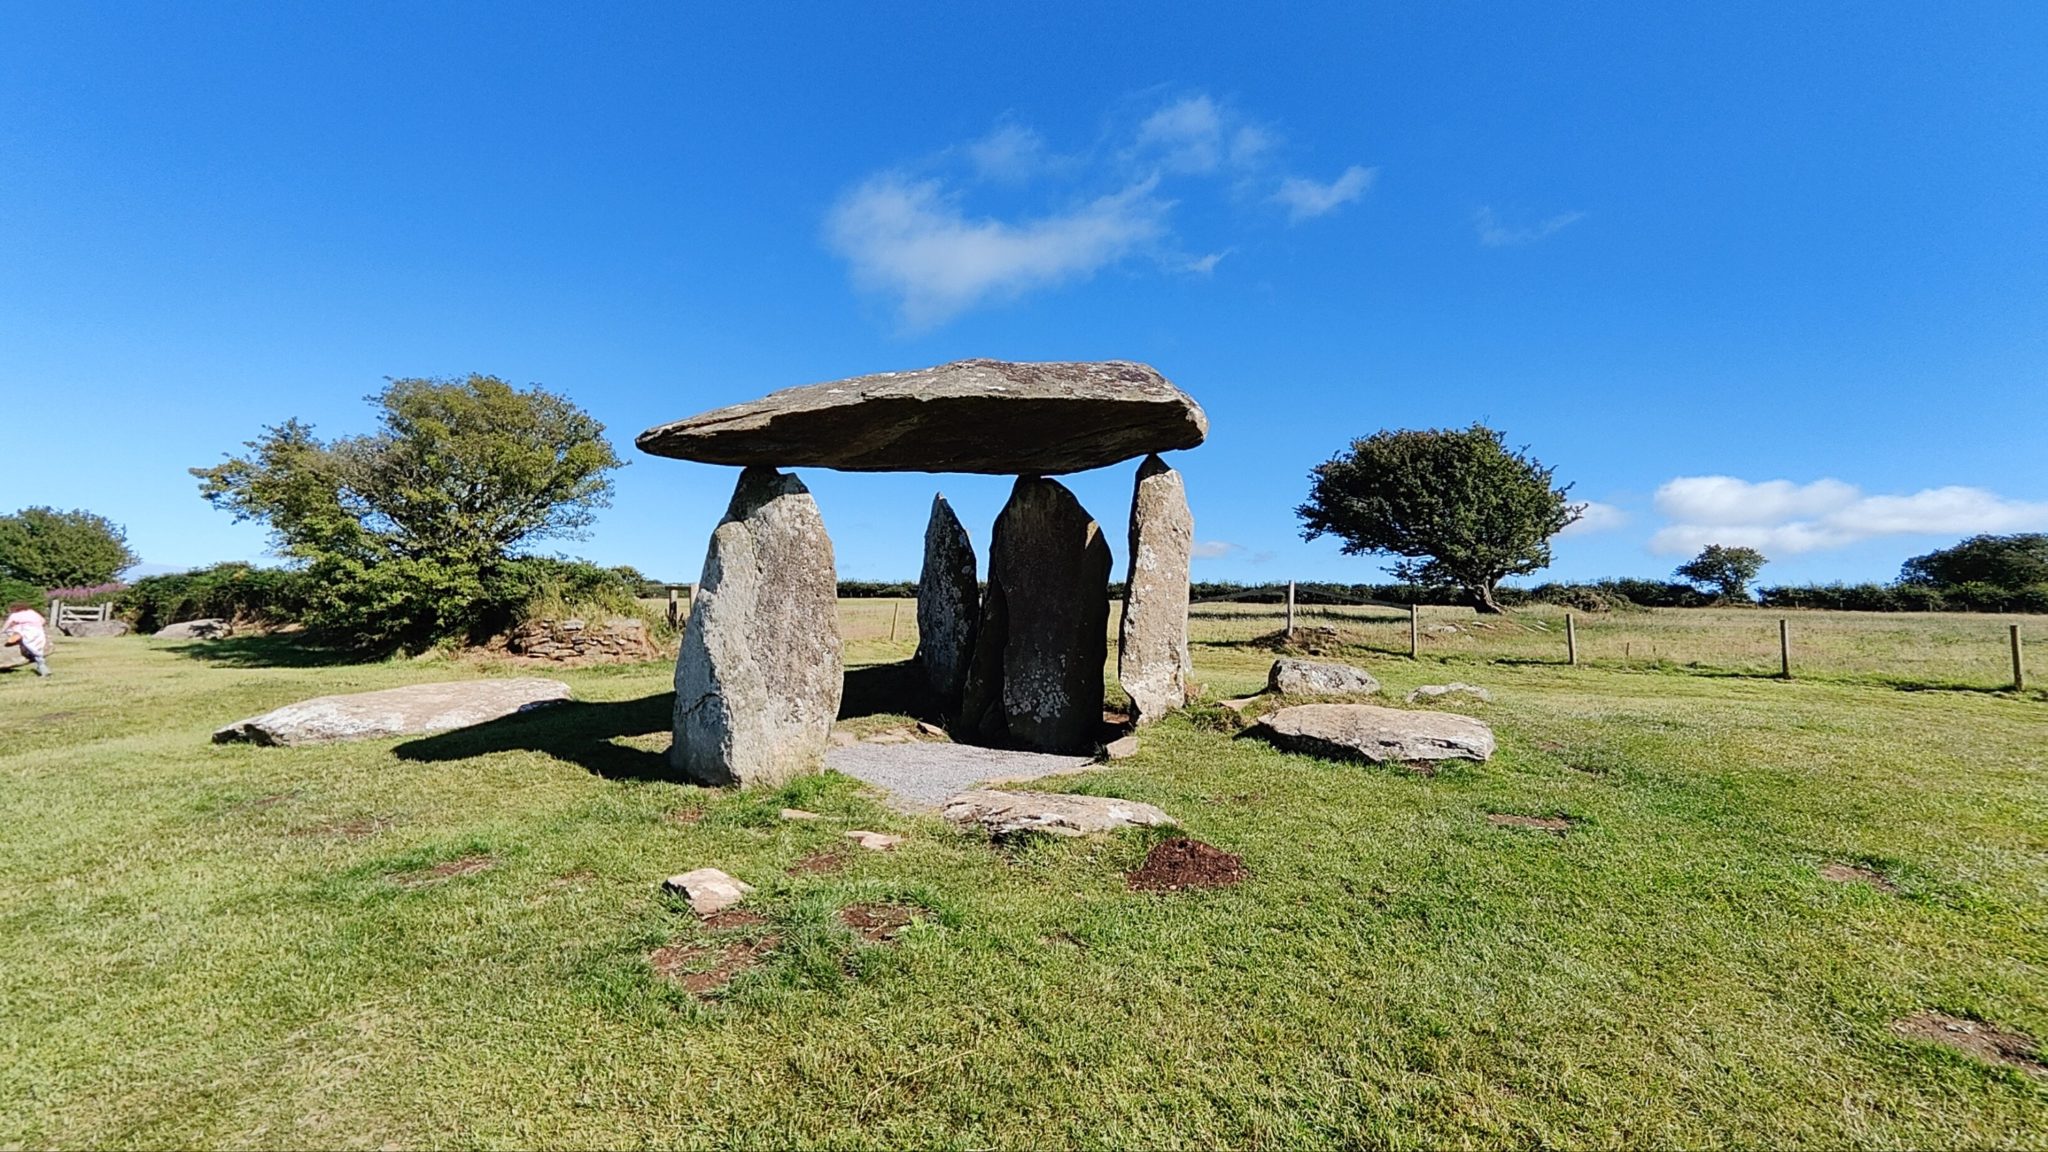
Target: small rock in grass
(1380, 735)
(1121, 748)
(1290, 677)
(1454, 688)
(708, 890)
(932, 730)
(798, 814)
(874, 841)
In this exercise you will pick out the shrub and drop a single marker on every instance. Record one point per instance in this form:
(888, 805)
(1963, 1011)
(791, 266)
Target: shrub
(232, 591)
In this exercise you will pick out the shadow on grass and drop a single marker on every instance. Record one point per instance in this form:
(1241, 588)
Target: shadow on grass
(271, 652)
(583, 734)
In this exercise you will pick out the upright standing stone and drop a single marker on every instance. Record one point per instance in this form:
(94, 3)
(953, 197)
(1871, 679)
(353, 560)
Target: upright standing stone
(759, 676)
(1152, 643)
(948, 605)
(1044, 629)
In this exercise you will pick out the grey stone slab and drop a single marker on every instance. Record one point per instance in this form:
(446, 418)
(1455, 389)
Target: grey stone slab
(920, 776)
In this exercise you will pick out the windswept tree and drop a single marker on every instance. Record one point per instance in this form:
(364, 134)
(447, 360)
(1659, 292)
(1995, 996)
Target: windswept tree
(1724, 570)
(2008, 563)
(51, 549)
(1457, 506)
(403, 531)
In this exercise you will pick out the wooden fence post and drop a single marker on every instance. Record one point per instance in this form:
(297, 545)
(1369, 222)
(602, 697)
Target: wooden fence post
(1414, 631)
(1571, 641)
(1290, 609)
(1784, 648)
(895, 607)
(2019, 671)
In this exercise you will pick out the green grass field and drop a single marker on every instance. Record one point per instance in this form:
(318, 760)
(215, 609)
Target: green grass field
(215, 945)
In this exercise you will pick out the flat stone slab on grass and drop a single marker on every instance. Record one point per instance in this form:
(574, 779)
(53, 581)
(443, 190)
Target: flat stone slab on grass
(1454, 688)
(206, 629)
(1007, 813)
(987, 416)
(919, 775)
(1380, 735)
(413, 710)
(708, 890)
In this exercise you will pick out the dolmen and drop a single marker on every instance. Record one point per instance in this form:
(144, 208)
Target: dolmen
(760, 674)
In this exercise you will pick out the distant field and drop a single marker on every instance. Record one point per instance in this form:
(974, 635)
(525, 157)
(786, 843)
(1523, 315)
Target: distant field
(448, 942)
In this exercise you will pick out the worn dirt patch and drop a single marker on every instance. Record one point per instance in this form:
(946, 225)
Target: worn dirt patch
(823, 862)
(1184, 862)
(733, 920)
(877, 923)
(1857, 874)
(704, 970)
(446, 870)
(683, 817)
(1974, 1038)
(1556, 824)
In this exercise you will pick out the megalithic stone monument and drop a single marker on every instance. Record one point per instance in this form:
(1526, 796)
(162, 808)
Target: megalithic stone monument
(759, 677)
(1048, 575)
(948, 605)
(1152, 641)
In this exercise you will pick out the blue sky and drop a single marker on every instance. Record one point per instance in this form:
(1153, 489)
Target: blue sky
(1749, 273)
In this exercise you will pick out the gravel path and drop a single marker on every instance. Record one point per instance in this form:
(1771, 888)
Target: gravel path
(918, 776)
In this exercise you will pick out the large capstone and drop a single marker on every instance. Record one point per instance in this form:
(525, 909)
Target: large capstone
(1152, 641)
(948, 605)
(759, 677)
(989, 416)
(1036, 678)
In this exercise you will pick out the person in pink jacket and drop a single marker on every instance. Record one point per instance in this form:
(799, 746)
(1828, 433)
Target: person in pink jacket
(25, 627)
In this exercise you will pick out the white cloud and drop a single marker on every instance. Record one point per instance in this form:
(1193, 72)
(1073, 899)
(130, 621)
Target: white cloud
(1186, 135)
(1783, 517)
(1204, 265)
(1494, 234)
(910, 240)
(1211, 549)
(1306, 199)
(1595, 517)
(1011, 152)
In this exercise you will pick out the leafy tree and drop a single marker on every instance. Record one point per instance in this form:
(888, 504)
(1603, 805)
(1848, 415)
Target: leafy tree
(2005, 562)
(52, 549)
(407, 534)
(1456, 505)
(1726, 570)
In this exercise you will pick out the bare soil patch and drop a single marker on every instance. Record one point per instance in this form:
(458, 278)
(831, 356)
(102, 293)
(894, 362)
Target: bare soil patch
(734, 920)
(1974, 1038)
(1555, 824)
(704, 970)
(446, 870)
(1857, 874)
(1184, 862)
(877, 923)
(683, 817)
(823, 862)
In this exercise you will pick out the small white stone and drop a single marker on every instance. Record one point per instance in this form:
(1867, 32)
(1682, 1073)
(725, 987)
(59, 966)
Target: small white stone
(874, 841)
(798, 814)
(708, 890)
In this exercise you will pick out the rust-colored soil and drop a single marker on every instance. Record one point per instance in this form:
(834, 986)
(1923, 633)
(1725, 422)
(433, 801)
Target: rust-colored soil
(1974, 1038)
(1557, 824)
(877, 923)
(733, 919)
(353, 828)
(447, 870)
(705, 969)
(1857, 874)
(820, 863)
(1184, 862)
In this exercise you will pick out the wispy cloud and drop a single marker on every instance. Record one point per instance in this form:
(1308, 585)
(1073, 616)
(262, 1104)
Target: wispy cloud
(1307, 199)
(1212, 549)
(1787, 518)
(908, 239)
(1595, 517)
(1494, 234)
(909, 233)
